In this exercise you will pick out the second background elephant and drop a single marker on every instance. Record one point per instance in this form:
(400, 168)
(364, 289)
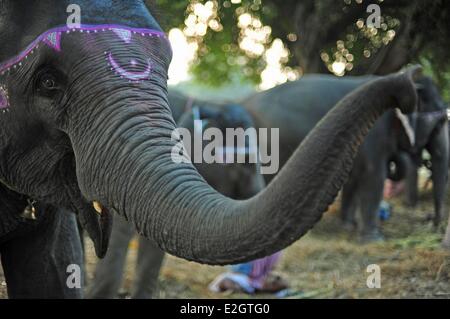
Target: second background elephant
(298, 106)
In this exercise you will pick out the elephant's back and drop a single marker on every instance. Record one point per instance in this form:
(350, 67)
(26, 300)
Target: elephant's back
(303, 102)
(296, 107)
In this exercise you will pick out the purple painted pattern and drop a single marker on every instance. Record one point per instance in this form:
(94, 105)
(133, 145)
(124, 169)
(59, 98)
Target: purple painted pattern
(131, 76)
(52, 39)
(4, 103)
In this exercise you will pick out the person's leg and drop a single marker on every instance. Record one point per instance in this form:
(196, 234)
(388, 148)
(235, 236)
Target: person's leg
(251, 277)
(109, 271)
(149, 262)
(38, 264)
(261, 270)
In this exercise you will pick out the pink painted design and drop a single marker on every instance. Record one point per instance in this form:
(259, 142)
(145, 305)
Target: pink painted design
(124, 34)
(53, 40)
(53, 37)
(4, 102)
(132, 76)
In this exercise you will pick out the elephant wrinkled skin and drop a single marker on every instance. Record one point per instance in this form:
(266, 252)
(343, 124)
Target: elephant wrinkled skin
(83, 133)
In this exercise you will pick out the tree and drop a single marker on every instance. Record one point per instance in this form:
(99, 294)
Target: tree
(320, 35)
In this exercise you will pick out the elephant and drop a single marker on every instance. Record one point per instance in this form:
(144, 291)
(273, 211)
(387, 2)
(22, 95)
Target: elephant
(85, 125)
(304, 102)
(238, 181)
(433, 136)
(37, 244)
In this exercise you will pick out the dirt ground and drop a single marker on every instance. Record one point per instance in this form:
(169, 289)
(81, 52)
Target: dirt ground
(329, 263)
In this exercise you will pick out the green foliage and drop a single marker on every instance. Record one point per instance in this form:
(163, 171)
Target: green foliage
(220, 60)
(170, 13)
(310, 28)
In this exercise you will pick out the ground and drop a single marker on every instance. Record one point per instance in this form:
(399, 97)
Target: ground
(329, 263)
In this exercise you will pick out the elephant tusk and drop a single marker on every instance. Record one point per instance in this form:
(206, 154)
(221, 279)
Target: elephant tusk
(409, 130)
(98, 207)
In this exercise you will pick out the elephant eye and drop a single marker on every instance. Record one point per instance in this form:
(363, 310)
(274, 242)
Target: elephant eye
(47, 83)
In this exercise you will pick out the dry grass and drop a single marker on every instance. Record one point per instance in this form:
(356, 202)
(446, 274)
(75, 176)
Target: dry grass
(329, 263)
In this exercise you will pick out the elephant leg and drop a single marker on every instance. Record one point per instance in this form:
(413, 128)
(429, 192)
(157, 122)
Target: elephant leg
(109, 271)
(349, 206)
(438, 148)
(149, 262)
(446, 242)
(370, 195)
(412, 187)
(36, 265)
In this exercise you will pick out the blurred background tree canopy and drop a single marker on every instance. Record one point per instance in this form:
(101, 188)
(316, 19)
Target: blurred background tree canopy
(268, 42)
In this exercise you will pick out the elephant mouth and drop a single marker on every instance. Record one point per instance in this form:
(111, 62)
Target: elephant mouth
(97, 221)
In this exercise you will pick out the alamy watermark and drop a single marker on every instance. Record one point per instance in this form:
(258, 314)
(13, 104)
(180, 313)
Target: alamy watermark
(374, 19)
(74, 18)
(374, 279)
(73, 280)
(239, 146)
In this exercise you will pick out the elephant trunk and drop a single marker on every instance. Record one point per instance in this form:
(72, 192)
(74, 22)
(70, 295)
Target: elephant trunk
(173, 205)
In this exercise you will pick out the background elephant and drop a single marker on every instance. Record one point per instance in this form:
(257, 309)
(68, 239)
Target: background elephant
(432, 135)
(298, 106)
(238, 181)
(87, 121)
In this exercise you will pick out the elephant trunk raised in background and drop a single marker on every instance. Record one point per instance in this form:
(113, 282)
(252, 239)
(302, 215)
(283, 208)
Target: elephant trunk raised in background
(296, 107)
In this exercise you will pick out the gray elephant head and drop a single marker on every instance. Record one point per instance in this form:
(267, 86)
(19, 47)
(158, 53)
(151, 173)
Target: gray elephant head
(85, 118)
(234, 180)
(415, 131)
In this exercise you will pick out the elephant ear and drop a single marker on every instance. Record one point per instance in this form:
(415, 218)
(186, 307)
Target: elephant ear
(207, 113)
(235, 116)
(427, 122)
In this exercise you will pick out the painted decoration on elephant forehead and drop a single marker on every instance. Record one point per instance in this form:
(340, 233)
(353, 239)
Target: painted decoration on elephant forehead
(52, 39)
(4, 100)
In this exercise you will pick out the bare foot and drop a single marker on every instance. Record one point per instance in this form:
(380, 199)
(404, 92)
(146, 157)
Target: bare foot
(229, 285)
(274, 284)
